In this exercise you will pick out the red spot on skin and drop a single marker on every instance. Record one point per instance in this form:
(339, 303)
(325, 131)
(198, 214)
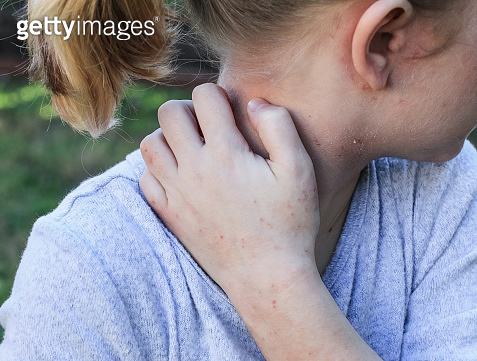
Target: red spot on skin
(153, 203)
(274, 304)
(277, 248)
(261, 219)
(306, 251)
(269, 225)
(365, 87)
(293, 214)
(221, 237)
(255, 202)
(145, 150)
(149, 159)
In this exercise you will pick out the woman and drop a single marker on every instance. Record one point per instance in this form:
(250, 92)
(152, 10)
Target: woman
(311, 245)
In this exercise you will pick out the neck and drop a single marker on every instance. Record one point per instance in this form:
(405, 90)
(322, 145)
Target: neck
(336, 182)
(337, 159)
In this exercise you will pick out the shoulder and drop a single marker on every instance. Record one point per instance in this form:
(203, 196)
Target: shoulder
(412, 230)
(102, 267)
(425, 175)
(436, 205)
(108, 219)
(107, 187)
(438, 198)
(108, 204)
(433, 188)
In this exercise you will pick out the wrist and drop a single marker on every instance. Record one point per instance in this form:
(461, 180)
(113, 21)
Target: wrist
(273, 277)
(257, 295)
(291, 307)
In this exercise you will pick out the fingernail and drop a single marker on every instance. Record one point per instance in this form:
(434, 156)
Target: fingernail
(256, 103)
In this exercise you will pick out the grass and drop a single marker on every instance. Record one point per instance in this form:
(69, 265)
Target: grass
(42, 159)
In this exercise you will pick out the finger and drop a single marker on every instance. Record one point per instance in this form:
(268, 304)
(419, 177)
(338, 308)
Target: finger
(215, 116)
(180, 128)
(278, 134)
(153, 192)
(158, 156)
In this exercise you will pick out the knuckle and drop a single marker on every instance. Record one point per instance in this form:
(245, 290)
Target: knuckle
(150, 141)
(145, 146)
(207, 93)
(146, 142)
(301, 166)
(157, 168)
(170, 110)
(204, 89)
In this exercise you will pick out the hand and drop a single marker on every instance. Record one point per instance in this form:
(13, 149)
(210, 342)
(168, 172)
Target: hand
(250, 222)
(241, 216)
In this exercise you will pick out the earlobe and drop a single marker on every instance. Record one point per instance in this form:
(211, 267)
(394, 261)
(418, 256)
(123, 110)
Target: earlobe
(371, 48)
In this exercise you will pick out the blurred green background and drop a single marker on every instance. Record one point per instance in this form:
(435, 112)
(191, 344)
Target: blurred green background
(42, 159)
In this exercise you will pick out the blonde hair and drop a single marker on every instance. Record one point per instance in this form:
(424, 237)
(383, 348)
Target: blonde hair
(261, 23)
(86, 73)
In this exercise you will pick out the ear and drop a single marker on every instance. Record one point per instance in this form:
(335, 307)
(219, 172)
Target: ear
(380, 31)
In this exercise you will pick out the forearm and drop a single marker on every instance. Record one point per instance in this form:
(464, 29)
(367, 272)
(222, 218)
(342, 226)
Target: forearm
(292, 316)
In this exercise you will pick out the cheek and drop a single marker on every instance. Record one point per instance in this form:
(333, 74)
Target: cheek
(451, 93)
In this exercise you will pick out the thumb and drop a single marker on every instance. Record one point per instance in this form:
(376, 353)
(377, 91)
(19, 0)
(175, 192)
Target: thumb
(278, 134)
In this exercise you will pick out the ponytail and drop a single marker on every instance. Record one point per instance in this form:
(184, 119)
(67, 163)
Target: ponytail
(86, 71)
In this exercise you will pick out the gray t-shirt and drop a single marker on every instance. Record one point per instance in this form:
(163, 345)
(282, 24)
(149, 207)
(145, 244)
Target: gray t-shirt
(102, 279)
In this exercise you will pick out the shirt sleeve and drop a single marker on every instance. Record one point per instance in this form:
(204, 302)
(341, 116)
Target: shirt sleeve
(441, 322)
(442, 311)
(64, 306)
